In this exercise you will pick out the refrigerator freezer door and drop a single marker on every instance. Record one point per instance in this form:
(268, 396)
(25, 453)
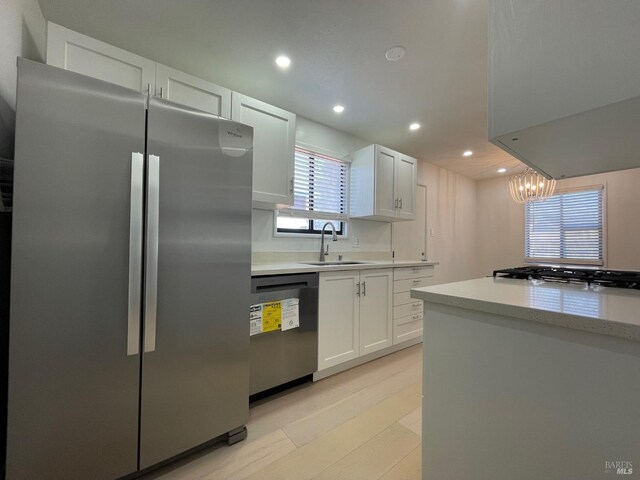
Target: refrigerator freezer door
(73, 390)
(195, 383)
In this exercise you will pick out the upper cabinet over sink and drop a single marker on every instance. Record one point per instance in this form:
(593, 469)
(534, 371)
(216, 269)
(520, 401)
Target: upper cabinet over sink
(564, 89)
(383, 185)
(273, 128)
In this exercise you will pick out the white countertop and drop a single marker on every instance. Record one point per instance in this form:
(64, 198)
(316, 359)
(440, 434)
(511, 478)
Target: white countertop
(300, 267)
(604, 310)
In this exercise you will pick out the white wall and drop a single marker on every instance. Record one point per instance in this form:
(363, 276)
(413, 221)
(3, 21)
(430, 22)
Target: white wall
(372, 236)
(22, 33)
(451, 217)
(451, 214)
(501, 221)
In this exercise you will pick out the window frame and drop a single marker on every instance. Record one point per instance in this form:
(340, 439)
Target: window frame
(311, 232)
(291, 232)
(572, 261)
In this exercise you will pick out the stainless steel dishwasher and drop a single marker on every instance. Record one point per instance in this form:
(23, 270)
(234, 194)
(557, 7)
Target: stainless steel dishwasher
(279, 357)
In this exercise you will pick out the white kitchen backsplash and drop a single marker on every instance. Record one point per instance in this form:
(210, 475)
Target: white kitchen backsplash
(363, 236)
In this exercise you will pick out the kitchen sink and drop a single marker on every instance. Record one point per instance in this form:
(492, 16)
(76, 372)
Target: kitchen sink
(342, 262)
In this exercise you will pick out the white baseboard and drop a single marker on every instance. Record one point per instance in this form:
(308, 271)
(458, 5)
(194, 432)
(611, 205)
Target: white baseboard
(364, 359)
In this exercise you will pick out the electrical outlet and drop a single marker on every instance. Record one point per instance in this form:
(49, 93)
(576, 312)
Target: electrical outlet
(356, 242)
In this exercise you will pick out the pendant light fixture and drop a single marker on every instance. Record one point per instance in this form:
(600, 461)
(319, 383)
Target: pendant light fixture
(530, 186)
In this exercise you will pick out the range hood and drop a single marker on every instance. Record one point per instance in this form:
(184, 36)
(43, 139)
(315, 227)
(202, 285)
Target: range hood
(564, 84)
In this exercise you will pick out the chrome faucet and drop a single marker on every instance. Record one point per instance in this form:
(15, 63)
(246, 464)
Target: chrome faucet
(335, 239)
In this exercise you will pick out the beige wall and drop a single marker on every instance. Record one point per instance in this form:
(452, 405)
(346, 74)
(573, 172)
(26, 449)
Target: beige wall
(501, 221)
(451, 217)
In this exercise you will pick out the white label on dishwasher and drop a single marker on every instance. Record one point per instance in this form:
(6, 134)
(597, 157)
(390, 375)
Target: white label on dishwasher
(290, 313)
(255, 319)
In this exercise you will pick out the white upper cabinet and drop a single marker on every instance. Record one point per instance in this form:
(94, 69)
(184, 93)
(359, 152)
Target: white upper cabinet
(383, 184)
(192, 91)
(564, 89)
(405, 187)
(76, 52)
(385, 199)
(273, 149)
(81, 54)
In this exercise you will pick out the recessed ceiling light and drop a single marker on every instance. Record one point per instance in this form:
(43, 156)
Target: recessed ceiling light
(283, 61)
(395, 53)
(502, 170)
(467, 153)
(338, 109)
(414, 126)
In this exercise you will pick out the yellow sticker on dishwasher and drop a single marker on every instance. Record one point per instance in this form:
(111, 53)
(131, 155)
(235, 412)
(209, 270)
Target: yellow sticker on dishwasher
(271, 316)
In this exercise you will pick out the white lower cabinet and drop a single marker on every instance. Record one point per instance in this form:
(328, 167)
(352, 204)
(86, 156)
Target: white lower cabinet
(407, 311)
(355, 314)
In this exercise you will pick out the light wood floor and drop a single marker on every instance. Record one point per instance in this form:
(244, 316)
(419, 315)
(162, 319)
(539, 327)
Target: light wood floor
(362, 424)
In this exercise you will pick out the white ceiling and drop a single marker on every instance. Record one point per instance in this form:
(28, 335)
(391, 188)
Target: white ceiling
(337, 49)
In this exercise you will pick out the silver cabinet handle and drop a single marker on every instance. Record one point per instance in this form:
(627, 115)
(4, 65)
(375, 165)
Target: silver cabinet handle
(364, 289)
(135, 254)
(395, 205)
(417, 304)
(151, 273)
(415, 317)
(401, 204)
(417, 280)
(160, 92)
(291, 185)
(358, 290)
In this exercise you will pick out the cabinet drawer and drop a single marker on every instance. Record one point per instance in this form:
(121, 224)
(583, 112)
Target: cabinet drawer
(407, 331)
(408, 319)
(413, 272)
(402, 298)
(407, 309)
(406, 285)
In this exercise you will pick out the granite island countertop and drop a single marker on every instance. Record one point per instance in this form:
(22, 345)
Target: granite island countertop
(603, 310)
(283, 268)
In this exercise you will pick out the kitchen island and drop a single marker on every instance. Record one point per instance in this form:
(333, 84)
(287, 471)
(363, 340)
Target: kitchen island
(530, 380)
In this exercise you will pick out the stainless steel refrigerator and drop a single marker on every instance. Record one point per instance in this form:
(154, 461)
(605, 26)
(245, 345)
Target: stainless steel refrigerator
(130, 279)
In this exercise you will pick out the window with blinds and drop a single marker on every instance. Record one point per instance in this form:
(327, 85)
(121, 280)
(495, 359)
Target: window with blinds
(320, 194)
(566, 228)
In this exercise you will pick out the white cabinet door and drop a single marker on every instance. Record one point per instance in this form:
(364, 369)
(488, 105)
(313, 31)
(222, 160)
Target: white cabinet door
(273, 149)
(193, 92)
(405, 187)
(385, 198)
(81, 54)
(376, 310)
(338, 318)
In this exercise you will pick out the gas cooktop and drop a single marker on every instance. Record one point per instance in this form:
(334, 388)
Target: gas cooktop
(605, 278)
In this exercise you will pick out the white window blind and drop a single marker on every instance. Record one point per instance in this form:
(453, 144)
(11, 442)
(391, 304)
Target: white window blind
(319, 187)
(567, 228)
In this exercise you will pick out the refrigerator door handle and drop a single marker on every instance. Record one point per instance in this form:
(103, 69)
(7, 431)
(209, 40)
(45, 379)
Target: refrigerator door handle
(135, 254)
(151, 274)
